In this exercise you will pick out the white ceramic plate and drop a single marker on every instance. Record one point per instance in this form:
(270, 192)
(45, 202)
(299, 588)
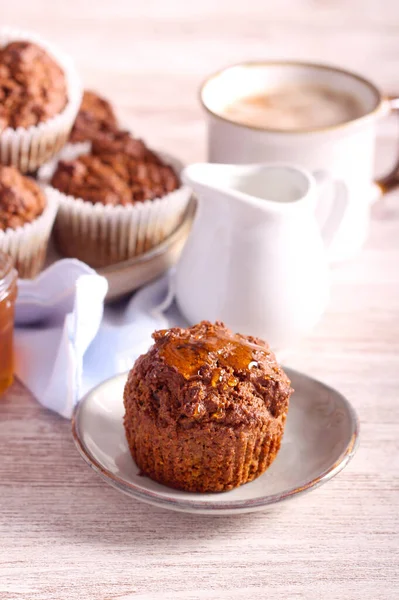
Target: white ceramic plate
(320, 438)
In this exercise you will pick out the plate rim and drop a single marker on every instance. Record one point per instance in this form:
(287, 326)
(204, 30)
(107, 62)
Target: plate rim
(221, 506)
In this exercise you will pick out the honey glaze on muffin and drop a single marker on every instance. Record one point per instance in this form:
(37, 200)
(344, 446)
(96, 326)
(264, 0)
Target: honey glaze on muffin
(217, 359)
(189, 355)
(205, 408)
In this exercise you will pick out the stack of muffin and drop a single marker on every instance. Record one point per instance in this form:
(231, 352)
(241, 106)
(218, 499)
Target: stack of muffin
(110, 197)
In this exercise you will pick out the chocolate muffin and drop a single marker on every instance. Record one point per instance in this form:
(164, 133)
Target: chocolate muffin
(32, 85)
(117, 179)
(147, 180)
(21, 199)
(205, 408)
(122, 143)
(95, 118)
(92, 180)
(116, 202)
(118, 162)
(40, 95)
(26, 218)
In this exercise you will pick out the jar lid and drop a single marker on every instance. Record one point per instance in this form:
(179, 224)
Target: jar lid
(7, 273)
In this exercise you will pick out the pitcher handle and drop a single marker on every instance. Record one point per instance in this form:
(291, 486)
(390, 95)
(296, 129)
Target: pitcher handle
(331, 206)
(389, 182)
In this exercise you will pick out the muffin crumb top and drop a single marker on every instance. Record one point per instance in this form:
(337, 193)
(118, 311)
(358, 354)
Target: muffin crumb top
(206, 373)
(120, 170)
(21, 199)
(95, 117)
(32, 85)
(90, 179)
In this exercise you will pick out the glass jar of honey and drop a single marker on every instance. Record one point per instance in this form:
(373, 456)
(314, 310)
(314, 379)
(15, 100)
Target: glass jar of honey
(8, 294)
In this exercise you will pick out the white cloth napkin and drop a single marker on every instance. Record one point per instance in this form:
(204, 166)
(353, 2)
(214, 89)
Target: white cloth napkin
(66, 342)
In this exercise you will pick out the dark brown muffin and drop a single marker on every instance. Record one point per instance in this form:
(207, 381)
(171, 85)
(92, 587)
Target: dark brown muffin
(32, 85)
(205, 408)
(120, 170)
(21, 199)
(95, 117)
(92, 180)
(118, 141)
(121, 173)
(145, 173)
(146, 180)
(26, 218)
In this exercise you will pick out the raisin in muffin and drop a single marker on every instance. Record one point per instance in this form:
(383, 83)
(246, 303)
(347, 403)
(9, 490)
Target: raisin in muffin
(117, 201)
(205, 408)
(26, 219)
(95, 117)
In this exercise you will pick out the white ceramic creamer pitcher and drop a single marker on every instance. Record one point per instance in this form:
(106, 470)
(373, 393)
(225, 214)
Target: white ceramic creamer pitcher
(255, 257)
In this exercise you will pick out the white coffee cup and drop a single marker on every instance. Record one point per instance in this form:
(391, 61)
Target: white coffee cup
(345, 151)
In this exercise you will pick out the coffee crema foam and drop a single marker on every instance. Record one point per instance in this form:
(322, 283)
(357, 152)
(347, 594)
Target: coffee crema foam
(294, 108)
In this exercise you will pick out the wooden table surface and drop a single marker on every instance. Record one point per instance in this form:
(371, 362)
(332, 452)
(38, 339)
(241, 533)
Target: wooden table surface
(64, 534)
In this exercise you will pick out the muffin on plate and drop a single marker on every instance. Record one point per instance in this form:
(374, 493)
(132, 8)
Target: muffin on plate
(39, 99)
(117, 201)
(205, 409)
(95, 117)
(27, 215)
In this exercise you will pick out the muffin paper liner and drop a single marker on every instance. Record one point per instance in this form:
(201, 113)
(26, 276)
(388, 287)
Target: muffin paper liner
(101, 235)
(198, 461)
(28, 148)
(27, 245)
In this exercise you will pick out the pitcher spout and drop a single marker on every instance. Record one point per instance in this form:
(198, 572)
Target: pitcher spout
(264, 191)
(208, 176)
(220, 184)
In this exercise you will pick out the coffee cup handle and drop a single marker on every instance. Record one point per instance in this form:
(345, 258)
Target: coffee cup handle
(331, 207)
(389, 182)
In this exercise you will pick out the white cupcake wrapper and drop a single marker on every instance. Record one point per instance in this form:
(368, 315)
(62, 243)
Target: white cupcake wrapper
(27, 245)
(102, 234)
(29, 148)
